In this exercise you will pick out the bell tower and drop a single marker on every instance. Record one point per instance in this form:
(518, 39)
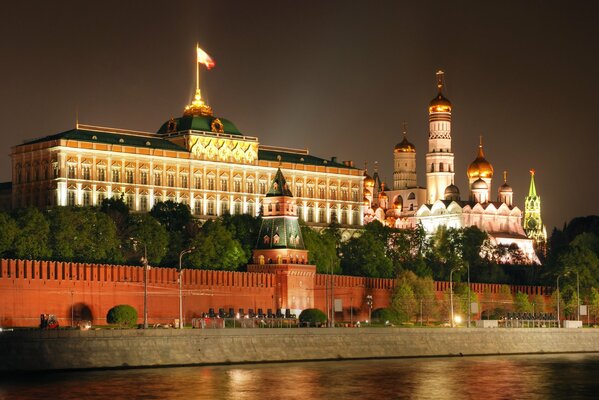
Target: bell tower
(439, 159)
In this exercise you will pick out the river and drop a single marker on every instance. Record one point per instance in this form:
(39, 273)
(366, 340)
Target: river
(570, 376)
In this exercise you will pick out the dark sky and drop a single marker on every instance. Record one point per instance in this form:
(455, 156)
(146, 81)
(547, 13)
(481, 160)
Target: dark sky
(337, 78)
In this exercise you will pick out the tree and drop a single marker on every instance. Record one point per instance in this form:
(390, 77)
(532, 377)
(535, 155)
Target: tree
(8, 233)
(175, 217)
(594, 303)
(404, 301)
(148, 231)
(366, 256)
(116, 208)
(322, 251)
(83, 234)
(522, 303)
(245, 229)
(122, 315)
(424, 293)
(215, 248)
(313, 316)
(32, 239)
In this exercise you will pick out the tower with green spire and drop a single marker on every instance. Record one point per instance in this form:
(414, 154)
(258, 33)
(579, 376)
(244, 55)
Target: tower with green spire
(280, 249)
(533, 224)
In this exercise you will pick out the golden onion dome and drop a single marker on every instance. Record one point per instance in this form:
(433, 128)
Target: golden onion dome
(366, 202)
(404, 146)
(368, 181)
(440, 103)
(367, 192)
(480, 167)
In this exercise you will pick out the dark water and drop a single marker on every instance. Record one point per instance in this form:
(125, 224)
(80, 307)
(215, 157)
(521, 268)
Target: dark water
(507, 377)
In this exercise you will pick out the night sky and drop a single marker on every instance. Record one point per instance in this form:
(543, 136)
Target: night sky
(337, 78)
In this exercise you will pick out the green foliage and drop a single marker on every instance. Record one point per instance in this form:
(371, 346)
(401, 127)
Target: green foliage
(32, 239)
(122, 315)
(215, 248)
(148, 231)
(313, 316)
(82, 234)
(522, 303)
(322, 250)
(245, 229)
(117, 210)
(386, 314)
(175, 217)
(8, 233)
(365, 255)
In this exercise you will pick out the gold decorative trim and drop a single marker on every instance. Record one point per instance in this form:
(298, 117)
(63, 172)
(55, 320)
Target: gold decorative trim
(217, 126)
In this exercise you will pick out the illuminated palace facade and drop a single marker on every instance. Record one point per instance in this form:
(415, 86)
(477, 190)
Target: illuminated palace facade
(197, 159)
(406, 205)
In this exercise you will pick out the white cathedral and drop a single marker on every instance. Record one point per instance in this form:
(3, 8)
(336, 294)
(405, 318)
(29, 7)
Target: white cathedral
(440, 204)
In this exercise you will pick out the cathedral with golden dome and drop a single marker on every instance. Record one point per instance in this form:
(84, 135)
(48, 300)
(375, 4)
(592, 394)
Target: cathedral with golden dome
(407, 205)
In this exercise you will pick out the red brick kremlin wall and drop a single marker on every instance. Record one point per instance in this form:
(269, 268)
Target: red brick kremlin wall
(88, 291)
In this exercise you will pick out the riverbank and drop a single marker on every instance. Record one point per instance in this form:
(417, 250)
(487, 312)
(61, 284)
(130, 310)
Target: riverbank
(65, 350)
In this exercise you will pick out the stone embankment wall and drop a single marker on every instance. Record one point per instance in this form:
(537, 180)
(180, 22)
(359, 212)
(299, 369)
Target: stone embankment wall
(57, 350)
(78, 291)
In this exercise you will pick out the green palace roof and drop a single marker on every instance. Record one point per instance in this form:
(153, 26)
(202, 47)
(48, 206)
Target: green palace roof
(197, 123)
(298, 158)
(111, 138)
(158, 142)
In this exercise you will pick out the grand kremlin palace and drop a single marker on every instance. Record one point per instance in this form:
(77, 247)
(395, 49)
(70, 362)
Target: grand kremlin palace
(197, 159)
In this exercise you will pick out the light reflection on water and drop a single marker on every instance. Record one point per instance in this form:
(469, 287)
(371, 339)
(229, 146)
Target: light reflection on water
(505, 377)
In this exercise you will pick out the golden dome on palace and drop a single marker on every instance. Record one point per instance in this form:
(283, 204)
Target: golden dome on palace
(368, 181)
(480, 167)
(405, 146)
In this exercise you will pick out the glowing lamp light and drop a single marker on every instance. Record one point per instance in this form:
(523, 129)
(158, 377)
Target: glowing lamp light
(457, 319)
(237, 316)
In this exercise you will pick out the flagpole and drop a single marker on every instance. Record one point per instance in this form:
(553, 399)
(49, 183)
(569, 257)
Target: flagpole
(197, 68)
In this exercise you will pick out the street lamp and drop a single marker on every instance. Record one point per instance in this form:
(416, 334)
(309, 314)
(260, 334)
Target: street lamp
(559, 276)
(144, 261)
(369, 303)
(186, 251)
(469, 301)
(451, 293)
(577, 295)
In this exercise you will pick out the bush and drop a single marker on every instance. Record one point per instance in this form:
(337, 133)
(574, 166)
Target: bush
(385, 314)
(123, 315)
(313, 316)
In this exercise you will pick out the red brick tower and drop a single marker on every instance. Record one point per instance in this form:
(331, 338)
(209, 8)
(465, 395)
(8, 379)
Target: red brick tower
(280, 249)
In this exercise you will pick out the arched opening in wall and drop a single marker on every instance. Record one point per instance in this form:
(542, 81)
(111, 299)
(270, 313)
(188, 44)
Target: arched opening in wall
(80, 312)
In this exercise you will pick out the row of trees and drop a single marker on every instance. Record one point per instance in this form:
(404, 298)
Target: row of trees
(105, 235)
(381, 251)
(414, 299)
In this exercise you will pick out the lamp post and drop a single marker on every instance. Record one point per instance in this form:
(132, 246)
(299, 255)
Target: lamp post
(144, 261)
(369, 303)
(577, 295)
(559, 276)
(469, 301)
(451, 294)
(186, 251)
